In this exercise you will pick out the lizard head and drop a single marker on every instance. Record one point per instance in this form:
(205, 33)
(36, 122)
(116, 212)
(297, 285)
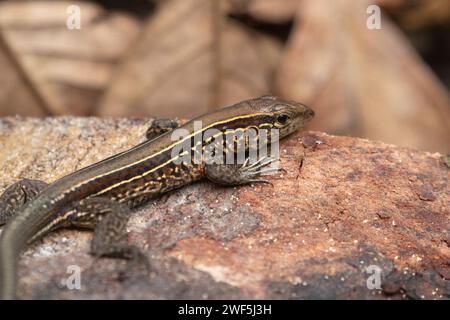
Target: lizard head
(286, 116)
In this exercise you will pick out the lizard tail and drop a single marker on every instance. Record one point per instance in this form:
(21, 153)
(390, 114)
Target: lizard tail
(8, 266)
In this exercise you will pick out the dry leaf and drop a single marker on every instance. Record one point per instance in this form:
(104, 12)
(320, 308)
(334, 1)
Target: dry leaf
(426, 13)
(363, 82)
(38, 14)
(273, 11)
(17, 94)
(70, 68)
(420, 13)
(191, 59)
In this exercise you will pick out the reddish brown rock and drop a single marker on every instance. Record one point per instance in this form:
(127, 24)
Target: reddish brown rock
(345, 204)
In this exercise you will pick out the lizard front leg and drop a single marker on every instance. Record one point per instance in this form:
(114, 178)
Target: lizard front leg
(237, 174)
(17, 195)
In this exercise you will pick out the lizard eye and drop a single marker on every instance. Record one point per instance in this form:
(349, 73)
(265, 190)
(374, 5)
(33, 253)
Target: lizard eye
(282, 119)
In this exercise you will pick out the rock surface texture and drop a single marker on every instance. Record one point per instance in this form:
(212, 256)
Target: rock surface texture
(347, 210)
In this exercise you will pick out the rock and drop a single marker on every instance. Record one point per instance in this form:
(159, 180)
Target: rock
(347, 211)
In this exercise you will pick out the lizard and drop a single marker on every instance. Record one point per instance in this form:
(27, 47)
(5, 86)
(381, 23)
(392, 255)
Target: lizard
(100, 197)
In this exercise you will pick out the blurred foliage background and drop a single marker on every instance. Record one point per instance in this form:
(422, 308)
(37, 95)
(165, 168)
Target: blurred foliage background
(181, 58)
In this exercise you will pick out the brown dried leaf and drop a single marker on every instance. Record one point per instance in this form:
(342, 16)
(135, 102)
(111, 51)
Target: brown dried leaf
(427, 13)
(70, 68)
(419, 13)
(17, 94)
(38, 14)
(191, 59)
(275, 11)
(362, 82)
